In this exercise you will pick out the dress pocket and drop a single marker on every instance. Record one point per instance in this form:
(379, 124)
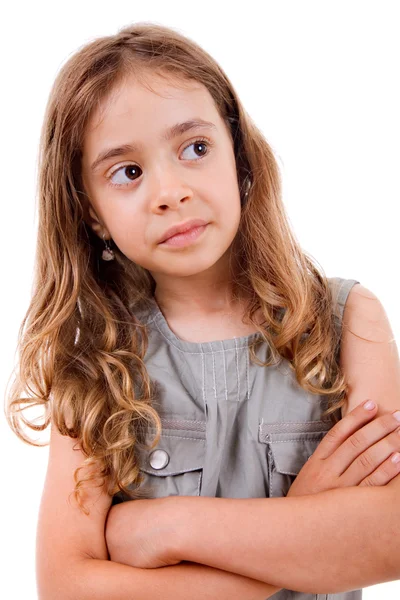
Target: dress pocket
(175, 466)
(289, 446)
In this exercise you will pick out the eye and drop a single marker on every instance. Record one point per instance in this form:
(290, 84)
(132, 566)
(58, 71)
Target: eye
(130, 171)
(203, 144)
(117, 177)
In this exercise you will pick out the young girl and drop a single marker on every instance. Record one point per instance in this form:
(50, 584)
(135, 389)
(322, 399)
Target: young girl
(186, 352)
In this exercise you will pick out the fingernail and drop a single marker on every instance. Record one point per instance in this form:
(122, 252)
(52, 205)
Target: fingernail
(397, 415)
(396, 458)
(370, 405)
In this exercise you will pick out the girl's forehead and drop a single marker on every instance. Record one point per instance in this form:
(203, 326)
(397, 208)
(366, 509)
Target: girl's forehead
(134, 99)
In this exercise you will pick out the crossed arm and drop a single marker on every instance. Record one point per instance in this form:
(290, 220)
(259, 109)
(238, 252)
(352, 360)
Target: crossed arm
(334, 541)
(330, 542)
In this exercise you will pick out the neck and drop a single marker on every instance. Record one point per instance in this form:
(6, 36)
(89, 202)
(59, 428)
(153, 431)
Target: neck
(207, 293)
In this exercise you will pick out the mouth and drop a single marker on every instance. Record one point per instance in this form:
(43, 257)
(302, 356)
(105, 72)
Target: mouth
(185, 238)
(182, 228)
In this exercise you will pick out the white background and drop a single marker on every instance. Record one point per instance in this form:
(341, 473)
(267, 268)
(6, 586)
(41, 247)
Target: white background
(321, 81)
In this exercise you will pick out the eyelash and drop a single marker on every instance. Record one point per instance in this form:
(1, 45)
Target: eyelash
(197, 141)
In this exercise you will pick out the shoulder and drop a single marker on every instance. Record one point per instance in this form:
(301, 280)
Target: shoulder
(362, 296)
(365, 315)
(369, 356)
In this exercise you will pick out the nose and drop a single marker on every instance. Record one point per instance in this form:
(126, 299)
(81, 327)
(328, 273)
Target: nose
(169, 191)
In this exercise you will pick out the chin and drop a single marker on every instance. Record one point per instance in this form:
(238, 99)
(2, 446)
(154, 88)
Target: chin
(186, 266)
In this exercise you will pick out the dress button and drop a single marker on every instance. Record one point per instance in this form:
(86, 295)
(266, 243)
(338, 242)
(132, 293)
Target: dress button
(158, 459)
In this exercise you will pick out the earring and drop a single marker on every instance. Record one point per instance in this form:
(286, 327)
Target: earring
(108, 253)
(247, 186)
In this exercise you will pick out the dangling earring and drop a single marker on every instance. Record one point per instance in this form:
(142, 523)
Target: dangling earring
(247, 186)
(108, 253)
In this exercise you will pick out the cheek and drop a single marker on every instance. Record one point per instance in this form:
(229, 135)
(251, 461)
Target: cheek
(229, 206)
(128, 233)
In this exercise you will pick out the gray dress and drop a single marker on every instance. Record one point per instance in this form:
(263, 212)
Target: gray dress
(231, 428)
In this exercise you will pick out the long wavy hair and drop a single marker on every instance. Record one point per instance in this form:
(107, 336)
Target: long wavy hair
(81, 347)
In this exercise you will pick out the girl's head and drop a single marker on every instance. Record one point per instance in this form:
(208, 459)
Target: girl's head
(176, 163)
(119, 115)
(82, 347)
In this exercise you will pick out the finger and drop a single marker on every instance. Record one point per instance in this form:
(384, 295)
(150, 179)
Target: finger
(363, 439)
(369, 462)
(341, 431)
(384, 473)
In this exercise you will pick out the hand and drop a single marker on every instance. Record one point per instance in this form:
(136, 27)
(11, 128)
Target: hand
(352, 453)
(140, 533)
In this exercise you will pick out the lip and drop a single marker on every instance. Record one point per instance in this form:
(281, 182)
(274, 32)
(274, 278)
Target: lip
(181, 228)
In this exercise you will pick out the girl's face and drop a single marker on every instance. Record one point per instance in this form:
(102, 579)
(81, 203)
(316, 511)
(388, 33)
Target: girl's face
(151, 181)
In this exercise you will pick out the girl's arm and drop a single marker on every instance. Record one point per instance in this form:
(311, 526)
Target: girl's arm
(330, 542)
(311, 541)
(107, 580)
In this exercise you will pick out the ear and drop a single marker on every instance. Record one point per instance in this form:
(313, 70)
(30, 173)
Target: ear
(94, 222)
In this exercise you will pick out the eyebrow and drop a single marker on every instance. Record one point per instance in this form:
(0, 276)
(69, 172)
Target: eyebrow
(169, 134)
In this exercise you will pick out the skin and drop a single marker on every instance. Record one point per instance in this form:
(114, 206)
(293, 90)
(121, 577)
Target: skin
(173, 183)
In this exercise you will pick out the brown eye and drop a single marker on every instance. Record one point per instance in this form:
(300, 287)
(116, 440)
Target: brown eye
(201, 147)
(130, 171)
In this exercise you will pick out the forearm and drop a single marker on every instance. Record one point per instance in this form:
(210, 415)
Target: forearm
(330, 542)
(108, 580)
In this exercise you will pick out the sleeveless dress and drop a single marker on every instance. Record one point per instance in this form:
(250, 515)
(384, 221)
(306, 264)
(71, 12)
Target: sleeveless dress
(230, 428)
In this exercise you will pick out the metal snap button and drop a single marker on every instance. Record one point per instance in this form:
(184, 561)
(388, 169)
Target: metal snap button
(158, 459)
